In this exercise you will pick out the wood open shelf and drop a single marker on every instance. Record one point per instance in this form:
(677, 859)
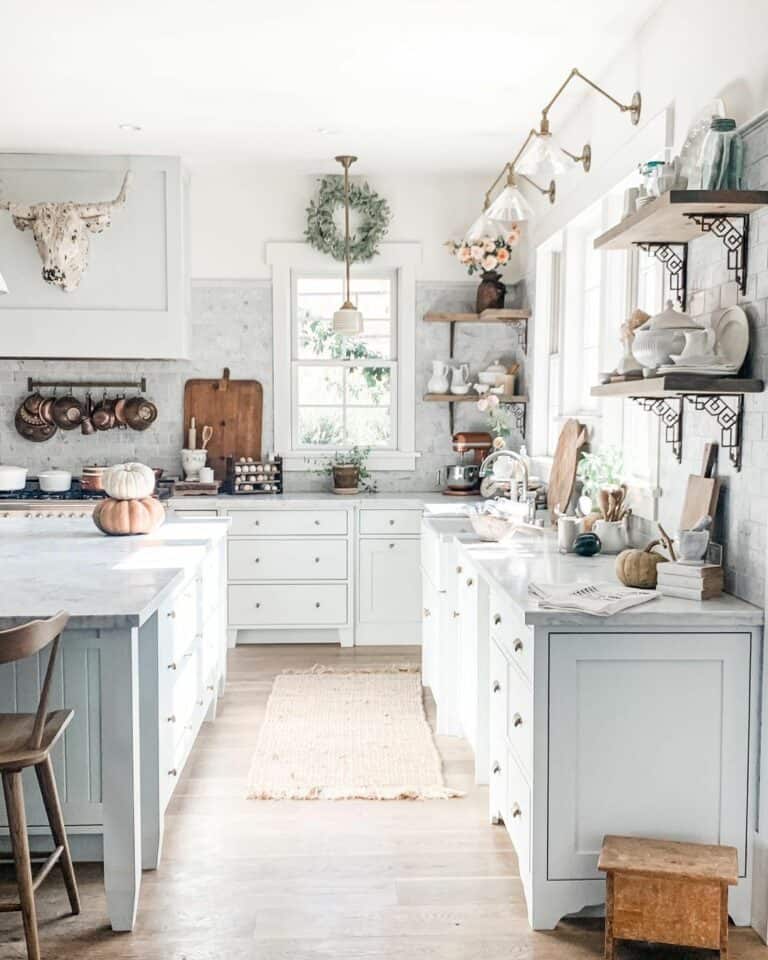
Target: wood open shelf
(463, 398)
(487, 316)
(675, 384)
(665, 220)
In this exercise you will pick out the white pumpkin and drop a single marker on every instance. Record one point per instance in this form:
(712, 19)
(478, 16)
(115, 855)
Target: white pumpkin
(129, 481)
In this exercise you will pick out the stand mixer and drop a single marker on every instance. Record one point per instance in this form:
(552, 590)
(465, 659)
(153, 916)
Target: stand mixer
(463, 479)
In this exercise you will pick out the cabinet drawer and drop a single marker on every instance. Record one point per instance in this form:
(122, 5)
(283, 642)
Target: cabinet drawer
(512, 634)
(287, 559)
(519, 719)
(267, 605)
(287, 523)
(194, 514)
(389, 522)
(179, 624)
(517, 814)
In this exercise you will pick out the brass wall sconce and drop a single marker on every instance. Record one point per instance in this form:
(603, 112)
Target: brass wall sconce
(545, 155)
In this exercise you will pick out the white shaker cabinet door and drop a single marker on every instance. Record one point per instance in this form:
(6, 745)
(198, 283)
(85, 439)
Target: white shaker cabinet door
(648, 736)
(390, 581)
(429, 635)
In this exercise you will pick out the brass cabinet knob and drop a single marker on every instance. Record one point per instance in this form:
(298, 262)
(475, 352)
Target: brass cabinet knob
(257, 604)
(257, 559)
(173, 773)
(317, 523)
(317, 603)
(517, 646)
(496, 686)
(257, 523)
(497, 619)
(517, 720)
(459, 569)
(172, 719)
(317, 559)
(516, 811)
(496, 768)
(391, 546)
(172, 665)
(455, 614)
(172, 614)
(391, 523)
(470, 581)
(427, 613)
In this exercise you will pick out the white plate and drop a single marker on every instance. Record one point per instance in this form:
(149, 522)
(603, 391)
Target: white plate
(732, 331)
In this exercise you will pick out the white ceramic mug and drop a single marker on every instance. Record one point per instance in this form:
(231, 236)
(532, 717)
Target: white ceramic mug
(206, 475)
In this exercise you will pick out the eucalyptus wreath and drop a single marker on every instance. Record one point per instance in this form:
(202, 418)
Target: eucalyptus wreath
(322, 232)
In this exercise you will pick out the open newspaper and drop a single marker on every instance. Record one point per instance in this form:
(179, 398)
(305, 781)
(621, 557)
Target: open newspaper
(598, 599)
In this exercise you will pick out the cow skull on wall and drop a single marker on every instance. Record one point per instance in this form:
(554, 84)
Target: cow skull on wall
(61, 233)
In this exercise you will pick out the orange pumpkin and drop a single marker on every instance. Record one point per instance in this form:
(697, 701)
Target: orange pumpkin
(120, 518)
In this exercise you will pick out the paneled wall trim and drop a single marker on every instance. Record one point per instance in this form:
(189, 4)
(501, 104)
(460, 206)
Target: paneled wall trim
(132, 300)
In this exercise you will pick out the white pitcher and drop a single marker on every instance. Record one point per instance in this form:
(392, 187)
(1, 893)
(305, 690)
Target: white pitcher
(699, 343)
(438, 382)
(459, 378)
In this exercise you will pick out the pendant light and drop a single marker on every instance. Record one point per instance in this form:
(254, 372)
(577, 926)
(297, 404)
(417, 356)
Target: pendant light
(347, 319)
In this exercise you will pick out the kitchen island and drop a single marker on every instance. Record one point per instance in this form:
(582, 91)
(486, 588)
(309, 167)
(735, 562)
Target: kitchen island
(646, 723)
(142, 664)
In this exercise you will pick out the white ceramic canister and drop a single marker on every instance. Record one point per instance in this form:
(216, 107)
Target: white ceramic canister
(613, 535)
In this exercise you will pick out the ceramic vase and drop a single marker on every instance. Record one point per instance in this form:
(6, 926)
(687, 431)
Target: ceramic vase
(491, 292)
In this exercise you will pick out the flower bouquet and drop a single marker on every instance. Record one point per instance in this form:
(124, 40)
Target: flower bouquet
(485, 255)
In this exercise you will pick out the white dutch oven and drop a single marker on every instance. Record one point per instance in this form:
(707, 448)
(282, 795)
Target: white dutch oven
(12, 478)
(55, 481)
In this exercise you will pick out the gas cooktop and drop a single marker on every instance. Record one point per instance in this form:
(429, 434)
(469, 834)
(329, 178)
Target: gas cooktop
(33, 492)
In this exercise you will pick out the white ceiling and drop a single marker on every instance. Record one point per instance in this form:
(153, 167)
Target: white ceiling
(430, 84)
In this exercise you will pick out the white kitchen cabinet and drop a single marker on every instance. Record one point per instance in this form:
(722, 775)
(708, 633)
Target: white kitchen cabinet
(473, 650)
(389, 591)
(429, 635)
(673, 760)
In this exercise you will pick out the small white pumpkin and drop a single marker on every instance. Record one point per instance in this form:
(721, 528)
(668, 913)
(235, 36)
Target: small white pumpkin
(129, 481)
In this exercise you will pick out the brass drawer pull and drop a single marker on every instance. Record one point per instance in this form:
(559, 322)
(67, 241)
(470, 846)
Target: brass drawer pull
(516, 811)
(317, 603)
(317, 559)
(317, 523)
(470, 581)
(257, 604)
(173, 773)
(459, 569)
(517, 646)
(391, 546)
(256, 559)
(172, 665)
(496, 768)
(456, 614)
(496, 686)
(172, 719)
(497, 619)
(427, 613)
(391, 523)
(517, 720)
(172, 614)
(257, 523)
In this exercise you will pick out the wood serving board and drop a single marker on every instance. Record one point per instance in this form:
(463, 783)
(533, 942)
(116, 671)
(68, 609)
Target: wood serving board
(562, 477)
(234, 409)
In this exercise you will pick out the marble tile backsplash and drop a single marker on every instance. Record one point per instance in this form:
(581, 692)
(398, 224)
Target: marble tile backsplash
(231, 325)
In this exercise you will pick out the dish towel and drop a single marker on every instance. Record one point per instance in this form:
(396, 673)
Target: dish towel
(597, 599)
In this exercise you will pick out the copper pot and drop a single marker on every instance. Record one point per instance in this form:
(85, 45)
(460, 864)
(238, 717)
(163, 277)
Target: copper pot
(86, 424)
(32, 403)
(45, 411)
(139, 413)
(67, 412)
(103, 416)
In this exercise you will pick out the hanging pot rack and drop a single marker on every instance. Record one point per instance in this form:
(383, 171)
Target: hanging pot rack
(140, 385)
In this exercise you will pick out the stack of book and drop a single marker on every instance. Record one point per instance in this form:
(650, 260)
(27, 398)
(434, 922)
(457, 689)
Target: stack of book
(690, 582)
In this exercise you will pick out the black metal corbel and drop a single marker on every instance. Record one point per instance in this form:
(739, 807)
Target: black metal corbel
(669, 410)
(728, 411)
(735, 240)
(674, 262)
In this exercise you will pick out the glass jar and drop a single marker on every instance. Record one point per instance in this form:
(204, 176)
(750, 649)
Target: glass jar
(721, 161)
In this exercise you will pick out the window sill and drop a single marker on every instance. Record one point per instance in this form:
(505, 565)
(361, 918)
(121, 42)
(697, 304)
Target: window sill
(378, 460)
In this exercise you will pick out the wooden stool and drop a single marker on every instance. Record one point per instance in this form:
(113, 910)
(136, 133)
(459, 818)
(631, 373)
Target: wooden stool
(26, 740)
(667, 892)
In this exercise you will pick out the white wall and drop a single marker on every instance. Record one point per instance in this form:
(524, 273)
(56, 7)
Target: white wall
(236, 209)
(687, 53)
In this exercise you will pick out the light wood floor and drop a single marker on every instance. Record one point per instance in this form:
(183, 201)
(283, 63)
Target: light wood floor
(308, 880)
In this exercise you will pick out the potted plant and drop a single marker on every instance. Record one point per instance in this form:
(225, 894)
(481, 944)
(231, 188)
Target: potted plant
(348, 471)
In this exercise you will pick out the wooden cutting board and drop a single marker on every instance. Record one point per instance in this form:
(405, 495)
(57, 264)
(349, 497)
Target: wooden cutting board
(700, 499)
(234, 409)
(562, 478)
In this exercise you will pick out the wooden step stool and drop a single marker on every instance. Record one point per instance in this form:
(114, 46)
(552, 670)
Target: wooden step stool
(667, 892)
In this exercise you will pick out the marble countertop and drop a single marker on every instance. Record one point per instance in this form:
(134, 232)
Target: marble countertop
(509, 567)
(432, 499)
(51, 564)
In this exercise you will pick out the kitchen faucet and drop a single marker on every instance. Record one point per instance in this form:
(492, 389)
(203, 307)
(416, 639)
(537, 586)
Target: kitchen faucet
(520, 488)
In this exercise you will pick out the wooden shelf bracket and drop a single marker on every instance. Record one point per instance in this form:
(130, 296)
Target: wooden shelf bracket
(735, 239)
(669, 410)
(728, 411)
(674, 257)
